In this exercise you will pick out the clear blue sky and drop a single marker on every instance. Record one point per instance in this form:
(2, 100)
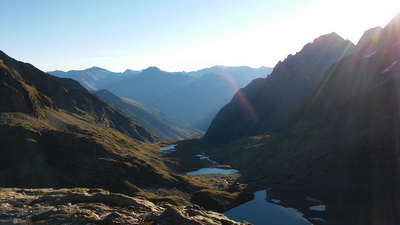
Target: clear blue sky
(176, 35)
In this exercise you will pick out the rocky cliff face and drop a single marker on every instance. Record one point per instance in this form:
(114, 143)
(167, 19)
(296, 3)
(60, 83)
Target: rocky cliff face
(96, 206)
(265, 104)
(358, 99)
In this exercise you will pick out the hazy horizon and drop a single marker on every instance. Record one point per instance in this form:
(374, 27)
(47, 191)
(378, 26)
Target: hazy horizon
(139, 70)
(177, 35)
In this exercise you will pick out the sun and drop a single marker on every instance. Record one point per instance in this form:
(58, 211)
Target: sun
(350, 18)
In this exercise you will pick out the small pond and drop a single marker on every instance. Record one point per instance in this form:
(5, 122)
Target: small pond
(259, 211)
(168, 147)
(212, 170)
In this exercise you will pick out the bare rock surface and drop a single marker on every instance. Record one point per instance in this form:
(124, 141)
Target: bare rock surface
(96, 206)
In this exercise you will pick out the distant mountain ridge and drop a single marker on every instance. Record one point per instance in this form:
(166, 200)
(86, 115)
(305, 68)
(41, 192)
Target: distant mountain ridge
(149, 85)
(93, 78)
(96, 78)
(193, 97)
(241, 75)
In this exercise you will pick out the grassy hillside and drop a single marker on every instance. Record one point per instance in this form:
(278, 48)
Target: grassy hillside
(54, 133)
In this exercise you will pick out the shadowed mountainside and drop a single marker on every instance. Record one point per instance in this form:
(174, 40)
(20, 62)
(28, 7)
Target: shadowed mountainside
(341, 146)
(199, 101)
(264, 105)
(357, 100)
(56, 133)
(155, 122)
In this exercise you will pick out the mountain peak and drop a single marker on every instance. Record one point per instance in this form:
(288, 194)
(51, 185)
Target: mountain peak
(328, 36)
(369, 40)
(322, 44)
(96, 69)
(270, 101)
(379, 39)
(370, 33)
(152, 69)
(130, 71)
(328, 39)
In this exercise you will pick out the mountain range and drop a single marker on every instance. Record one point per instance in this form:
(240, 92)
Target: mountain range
(94, 78)
(322, 128)
(192, 97)
(330, 87)
(323, 124)
(54, 133)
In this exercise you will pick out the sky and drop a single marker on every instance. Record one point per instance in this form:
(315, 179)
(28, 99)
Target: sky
(176, 35)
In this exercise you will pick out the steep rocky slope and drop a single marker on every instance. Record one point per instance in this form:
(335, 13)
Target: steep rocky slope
(28, 90)
(357, 100)
(341, 145)
(265, 104)
(54, 133)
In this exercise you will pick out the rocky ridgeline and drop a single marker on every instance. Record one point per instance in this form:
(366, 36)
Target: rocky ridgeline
(96, 206)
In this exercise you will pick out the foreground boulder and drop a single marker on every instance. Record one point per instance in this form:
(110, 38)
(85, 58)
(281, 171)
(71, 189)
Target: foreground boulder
(95, 206)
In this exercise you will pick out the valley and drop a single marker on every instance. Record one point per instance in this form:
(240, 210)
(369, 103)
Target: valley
(314, 140)
(171, 92)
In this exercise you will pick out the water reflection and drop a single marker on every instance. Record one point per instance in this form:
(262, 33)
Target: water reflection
(168, 147)
(260, 212)
(212, 170)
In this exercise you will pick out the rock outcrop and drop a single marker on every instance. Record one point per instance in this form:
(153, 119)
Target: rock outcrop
(96, 206)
